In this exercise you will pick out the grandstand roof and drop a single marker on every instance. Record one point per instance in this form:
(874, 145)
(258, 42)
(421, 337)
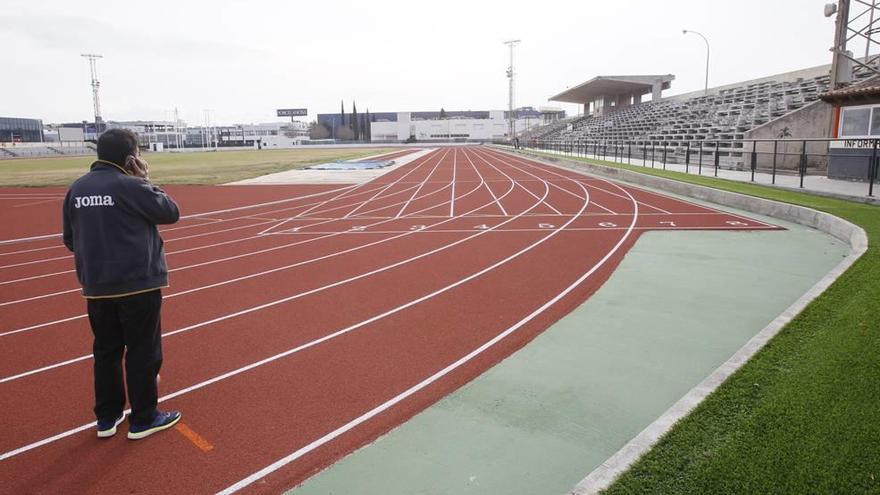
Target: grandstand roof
(612, 85)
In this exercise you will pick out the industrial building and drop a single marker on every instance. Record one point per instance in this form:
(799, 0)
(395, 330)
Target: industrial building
(468, 125)
(19, 130)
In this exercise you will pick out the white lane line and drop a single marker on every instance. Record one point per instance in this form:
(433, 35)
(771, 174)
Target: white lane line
(421, 161)
(332, 234)
(167, 241)
(454, 167)
(51, 236)
(197, 248)
(539, 179)
(316, 205)
(550, 181)
(161, 231)
(502, 157)
(497, 202)
(403, 208)
(571, 229)
(53, 246)
(213, 232)
(301, 347)
(323, 235)
(27, 239)
(280, 463)
(34, 203)
(581, 180)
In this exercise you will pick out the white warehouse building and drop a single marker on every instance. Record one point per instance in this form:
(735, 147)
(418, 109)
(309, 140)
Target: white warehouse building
(454, 128)
(460, 125)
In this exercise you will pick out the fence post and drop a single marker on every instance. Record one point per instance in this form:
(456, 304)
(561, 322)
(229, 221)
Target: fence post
(803, 164)
(775, 147)
(664, 155)
(700, 165)
(754, 159)
(644, 155)
(653, 150)
(717, 158)
(872, 169)
(629, 152)
(687, 157)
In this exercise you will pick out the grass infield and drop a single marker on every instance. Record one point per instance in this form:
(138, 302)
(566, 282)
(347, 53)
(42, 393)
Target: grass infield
(803, 415)
(179, 168)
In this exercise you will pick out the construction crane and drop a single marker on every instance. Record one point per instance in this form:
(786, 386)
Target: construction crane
(95, 85)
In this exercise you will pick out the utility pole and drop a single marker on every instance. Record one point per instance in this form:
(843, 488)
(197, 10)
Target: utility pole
(176, 129)
(510, 95)
(95, 85)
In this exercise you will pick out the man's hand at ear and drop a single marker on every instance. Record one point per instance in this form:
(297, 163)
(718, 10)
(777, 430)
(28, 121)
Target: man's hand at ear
(138, 167)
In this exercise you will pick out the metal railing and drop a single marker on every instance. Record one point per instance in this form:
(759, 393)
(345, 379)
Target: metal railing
(856, 160)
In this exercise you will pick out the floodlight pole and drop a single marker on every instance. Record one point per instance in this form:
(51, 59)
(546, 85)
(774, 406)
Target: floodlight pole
(706, 86)
(95, 85)
(510, 98)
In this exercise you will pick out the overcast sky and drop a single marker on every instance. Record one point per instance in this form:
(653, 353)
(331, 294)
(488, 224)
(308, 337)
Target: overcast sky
(244, 59)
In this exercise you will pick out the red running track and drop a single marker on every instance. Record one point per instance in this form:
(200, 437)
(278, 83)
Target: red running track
(305, 321)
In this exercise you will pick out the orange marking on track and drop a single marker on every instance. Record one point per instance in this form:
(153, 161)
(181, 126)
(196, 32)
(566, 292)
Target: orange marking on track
(195, 438)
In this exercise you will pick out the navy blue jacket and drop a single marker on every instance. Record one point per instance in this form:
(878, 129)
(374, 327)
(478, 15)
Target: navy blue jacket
(110, 221)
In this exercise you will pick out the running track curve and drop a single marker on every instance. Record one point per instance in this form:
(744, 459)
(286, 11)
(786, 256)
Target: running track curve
(305, 321)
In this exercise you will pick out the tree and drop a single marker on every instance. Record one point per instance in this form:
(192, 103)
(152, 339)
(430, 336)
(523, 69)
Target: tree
(442, 114)
(369, 128)
(354, 121)
(344, 133)
(318, 131)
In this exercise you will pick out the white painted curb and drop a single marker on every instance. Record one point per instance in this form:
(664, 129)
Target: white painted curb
(602, 476)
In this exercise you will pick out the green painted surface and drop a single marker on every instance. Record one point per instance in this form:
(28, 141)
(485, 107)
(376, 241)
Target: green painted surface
(679, 305)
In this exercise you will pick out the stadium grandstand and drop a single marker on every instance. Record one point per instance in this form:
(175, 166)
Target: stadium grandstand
(715, 119)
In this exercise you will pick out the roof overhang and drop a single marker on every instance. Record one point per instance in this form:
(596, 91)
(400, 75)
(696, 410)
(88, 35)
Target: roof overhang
(613, 86)
(864, 92)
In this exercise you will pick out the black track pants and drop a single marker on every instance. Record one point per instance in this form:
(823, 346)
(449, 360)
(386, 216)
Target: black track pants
(128, 325)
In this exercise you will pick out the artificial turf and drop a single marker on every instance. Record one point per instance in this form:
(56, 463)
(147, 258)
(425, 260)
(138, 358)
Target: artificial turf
(179, 168)
(803, 415)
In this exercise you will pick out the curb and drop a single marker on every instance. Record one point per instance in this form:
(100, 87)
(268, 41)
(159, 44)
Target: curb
(605, 474)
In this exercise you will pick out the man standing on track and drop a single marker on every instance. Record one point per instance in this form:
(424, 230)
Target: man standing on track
(110, 216)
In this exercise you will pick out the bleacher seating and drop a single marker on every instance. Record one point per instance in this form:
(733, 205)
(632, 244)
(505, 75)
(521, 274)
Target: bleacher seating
(46, 151)
(676, 121)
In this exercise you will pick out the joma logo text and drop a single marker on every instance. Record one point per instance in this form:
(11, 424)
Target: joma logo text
(93, 201)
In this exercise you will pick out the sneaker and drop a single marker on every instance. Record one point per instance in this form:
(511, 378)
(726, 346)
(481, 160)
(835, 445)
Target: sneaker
(107, 427)
(162, 421)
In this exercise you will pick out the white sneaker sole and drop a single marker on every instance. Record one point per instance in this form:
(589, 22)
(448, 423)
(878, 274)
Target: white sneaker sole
(155, 429)
(111, 431)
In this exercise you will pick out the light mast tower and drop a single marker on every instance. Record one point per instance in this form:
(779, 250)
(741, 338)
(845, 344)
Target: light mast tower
(511, 119)
(95, 85)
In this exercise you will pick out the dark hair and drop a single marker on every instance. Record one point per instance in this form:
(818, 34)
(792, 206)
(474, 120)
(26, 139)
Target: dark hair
(115, 145)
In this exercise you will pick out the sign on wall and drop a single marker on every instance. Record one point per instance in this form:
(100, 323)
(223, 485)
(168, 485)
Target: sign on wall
(292, 112)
